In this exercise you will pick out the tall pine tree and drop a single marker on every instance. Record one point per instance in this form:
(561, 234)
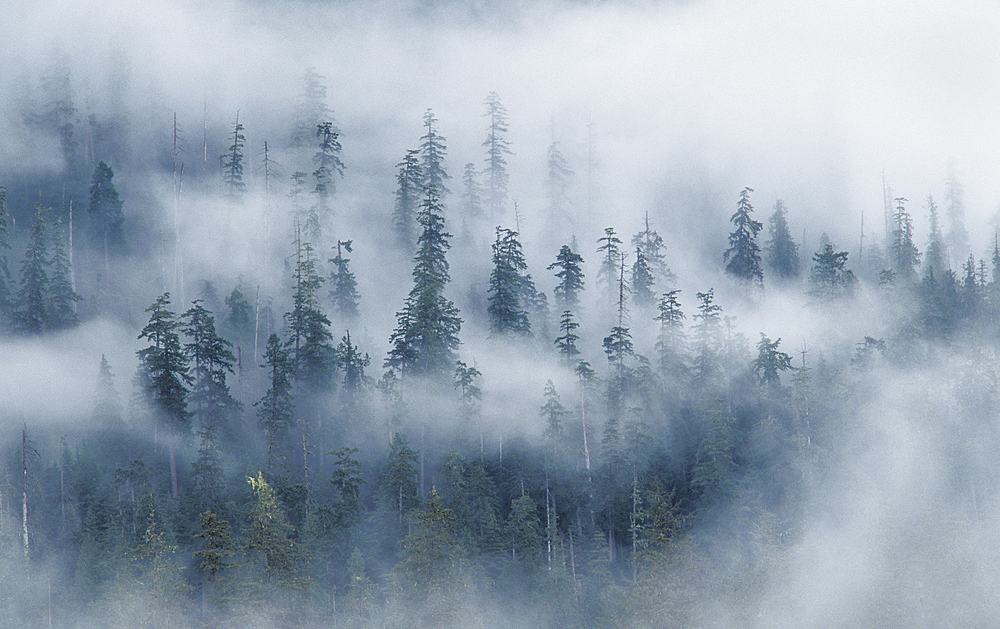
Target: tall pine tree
(742, 258)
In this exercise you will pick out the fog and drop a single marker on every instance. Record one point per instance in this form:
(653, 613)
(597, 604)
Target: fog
(664, 111)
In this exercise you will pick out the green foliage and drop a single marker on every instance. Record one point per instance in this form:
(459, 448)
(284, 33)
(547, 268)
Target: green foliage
(309, 334)
(432, 154)
(509, 285)
(211, 360)
(62, 296)
(650, 245)
(329, 166)
(273, 554)
(570, 274)
(409, 184)
(905, 257)
(671, 343)
(106, 217)
(163, 366)
(830, 279)
(566, 341)
(608, 273)
(742, 258)
(429, 560)
(276, 408)
(781, 254)
(31, 315)
(642, 280)
(770, 362)
(232, 164)
(552, 411)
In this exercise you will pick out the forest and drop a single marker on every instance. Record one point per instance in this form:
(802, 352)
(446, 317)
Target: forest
(298, 359)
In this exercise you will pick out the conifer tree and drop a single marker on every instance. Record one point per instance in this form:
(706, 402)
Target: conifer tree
(276, 408)
(566, 341)
(232, 164)
(329, 167)
(310, 109)
(308, 328)
(409, 183)
(671, 341)
(107, 403)
(743, 255)
(781, 254)
(62, 297)
(508, 289)
(432, 154)
(642, 280)
(610, 260)
(707, 338)
(570, 276)
(31, 316)
(343, 284)
(163, 374)
(426, 336)
(905, 256)
(557, 183)
(957, 239)
(352, 363)
(830, 279)
(936, 261)
(211, 360)
(105, 210)
(6, 280)
(472, 194)
(770, 362)
(650, 243)
(552, 411)
(272, 551)
(470, 393)
(497, 149)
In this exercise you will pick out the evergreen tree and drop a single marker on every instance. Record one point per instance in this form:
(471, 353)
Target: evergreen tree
(107, 403)
(426, 336)
(905, 256)
(770, 362)
(308, 328)
(557, 181)
(343, 284)
(781, 254)
(670, 341)
(936, 261)
(472, 194)
(217, 555)
(329, 166)
(470, 393)
(650, 244)
(958, 237)
(276, 408)
(570, 276)
(273, 553)
(642, 280)
(409, 182)
(507, 287)
(6, 280)
(352, 363)
(232, 164)
(31, 316)
(830, 279)
(105, 210)
(743, 255)
(429, 563)
(566, 341)
(163, 374)
(241, 317)
(707, 338)
(553, 411)
(432, 153)
(497, 150)
(610, 260)
(211, 360)
(62, 297)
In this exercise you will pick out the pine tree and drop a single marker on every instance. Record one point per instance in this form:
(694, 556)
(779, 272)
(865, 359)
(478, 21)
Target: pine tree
(470, 393)
(163, 374)
(105, 210)
(62, 297)
(308, 328)
(6, 280)
(343, 284)
(770, 362)
(329, 166)
(905, 256)
(276, 408)
(217, 555)
(426, 336)
(232, 164)
(610, 260)
(650, 244)
(507, 287)
(743, 255)
(936, 261)
(707, 338)
(272, 552)
(670, 341)
(570, 276)
(31, 316)
(642, 280)
(310, 109)
(830, 279)
(472, 194)
(781, 254)
(553, 411)
(352, 363)
(497, 149)
(566, 341)
(409, 182)
(432, 153)
(211, 360)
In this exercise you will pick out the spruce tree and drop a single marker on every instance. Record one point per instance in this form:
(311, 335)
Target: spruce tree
(309, 336)
(329, 167)
(936, 261)
(610, 260)
(163, 374)
(426, 336)
(107, 403)
(106, 217)
(707, 338)
(642, 280)
(770, 362)
(507, 289)
(781, 254)
(570, 276)
(566, 341)
(472, 194)
(830, 279)
(497, 149)
(352, 363)
(343, 284)
(409, 183)
(650, 244)
(31, 316)
(905, 256)
(211, 360)
(276, 408)
(432, 154)
(671, 341)
(742, 258)
(232, 164)
(62, 298)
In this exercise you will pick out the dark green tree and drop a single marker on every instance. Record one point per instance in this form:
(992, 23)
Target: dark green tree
(106, 217)
(671, 343)
(430, 559)
(552, 411)
(742, 258)
(905, 257)
(309, 336)
(936, 260)
(329, 166)
(642, 280)
(163, 375)
(31, 316)
(432, 154)
(232, 164)
(216, 556)
(343, 285)
(6, 279)
(507, 287)
(781, 254)
(62, 297)
(470, 393)
(409, 182)
(273, 553)
(770, 362)
(830, 279)
(650, 244)
(426, 336)
(707, 338)
(497, 149)
(276, 408)
(611, 256)
(211, 360)
(570, 274)
(566, 341)
(352, 363)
